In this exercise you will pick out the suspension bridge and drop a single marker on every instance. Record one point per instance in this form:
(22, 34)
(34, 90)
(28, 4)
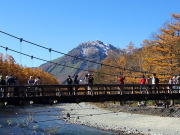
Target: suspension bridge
(84, 92)
(87, 93)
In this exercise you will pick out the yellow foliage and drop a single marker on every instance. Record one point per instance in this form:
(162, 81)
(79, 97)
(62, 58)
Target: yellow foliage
(160, 56)
(8, 66)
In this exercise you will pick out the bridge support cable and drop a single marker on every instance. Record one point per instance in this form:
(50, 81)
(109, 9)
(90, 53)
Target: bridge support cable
(130, 70)
(56, 63)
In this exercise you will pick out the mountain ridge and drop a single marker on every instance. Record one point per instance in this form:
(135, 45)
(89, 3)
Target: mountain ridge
(79, 58)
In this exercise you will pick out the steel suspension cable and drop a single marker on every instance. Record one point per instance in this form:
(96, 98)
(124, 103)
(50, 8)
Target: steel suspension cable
(102, 64)
(56, 63)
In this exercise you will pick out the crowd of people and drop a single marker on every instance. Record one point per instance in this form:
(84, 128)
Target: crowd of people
(12, 81)
(153, 80)
(143, 80)
(88, 79)
(174, 80)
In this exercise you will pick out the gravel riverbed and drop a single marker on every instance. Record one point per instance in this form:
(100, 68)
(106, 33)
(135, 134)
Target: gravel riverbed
(124, 119)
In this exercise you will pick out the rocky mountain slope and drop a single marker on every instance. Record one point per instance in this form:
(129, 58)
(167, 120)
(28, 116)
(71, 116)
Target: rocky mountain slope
(91, 51)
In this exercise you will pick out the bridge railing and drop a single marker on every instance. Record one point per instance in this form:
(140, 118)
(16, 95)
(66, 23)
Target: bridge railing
(83, 89)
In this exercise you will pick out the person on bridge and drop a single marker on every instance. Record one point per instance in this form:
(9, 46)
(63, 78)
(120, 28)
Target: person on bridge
(69, 82)
(121, 79)
(142, 81)
(2, 82)
(170, 82)
(175, 81)
(37, 89)
(86, 79)
(37, 81)
(76, 81)
(31, 80)
(90, 82)
(155, 80)
(30, 83)
(149, 81)
(178, 81)
(90, 79)
(10, 81)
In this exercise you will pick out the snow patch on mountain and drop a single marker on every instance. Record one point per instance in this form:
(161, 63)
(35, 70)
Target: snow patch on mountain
(90, 47)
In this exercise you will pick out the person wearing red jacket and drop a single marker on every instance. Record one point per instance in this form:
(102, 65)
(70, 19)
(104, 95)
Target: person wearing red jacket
(142, 81)
(121, 79)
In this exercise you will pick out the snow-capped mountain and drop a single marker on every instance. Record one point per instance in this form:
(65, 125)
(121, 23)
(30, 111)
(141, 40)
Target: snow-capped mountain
(95, 51)
(94, 45)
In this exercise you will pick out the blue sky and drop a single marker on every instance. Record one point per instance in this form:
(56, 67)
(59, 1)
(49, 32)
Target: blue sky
(63, 24)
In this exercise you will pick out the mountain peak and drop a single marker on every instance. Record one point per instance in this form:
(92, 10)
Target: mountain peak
(95, 51)
(94, 46)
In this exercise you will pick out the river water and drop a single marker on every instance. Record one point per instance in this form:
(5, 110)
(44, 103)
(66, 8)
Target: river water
(39, 119)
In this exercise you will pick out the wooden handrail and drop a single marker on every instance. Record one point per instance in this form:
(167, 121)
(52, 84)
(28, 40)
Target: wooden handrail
(107, 90)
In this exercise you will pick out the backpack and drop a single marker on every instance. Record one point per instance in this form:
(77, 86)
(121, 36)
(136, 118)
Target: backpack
(157, 80)
(69, 81)
(11, 80)
(90, 80)
(2, 82)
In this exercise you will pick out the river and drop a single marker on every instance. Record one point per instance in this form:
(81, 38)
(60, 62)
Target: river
(37, 119)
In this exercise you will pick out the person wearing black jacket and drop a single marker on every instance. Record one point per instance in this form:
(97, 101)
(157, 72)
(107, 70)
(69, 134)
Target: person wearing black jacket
(69, 82)
(2, 82)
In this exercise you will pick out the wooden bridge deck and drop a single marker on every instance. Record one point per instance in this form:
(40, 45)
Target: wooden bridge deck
(88, 93)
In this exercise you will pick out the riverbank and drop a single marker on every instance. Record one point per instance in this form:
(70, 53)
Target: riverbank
(122, 122)
(38, 119)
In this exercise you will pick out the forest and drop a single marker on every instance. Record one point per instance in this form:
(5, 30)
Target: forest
(8, 66)
(160, 55)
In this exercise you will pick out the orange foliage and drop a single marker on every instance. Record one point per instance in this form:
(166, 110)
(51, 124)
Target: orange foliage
(160, 56)
(8, 66)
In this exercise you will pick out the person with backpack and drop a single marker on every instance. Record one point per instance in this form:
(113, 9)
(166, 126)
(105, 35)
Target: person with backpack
(11, 81)
(90, 82)
(90, 79)
(76, 81)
